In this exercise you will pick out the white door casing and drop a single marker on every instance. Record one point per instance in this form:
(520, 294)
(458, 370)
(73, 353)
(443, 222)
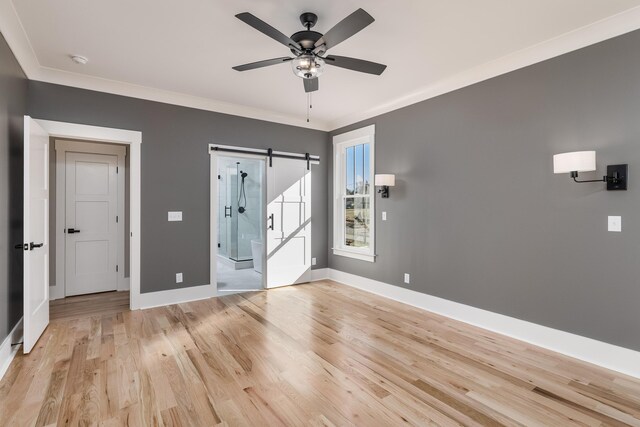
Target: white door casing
(36, 232)
(133, 139)
(288, 223)
(91, 223)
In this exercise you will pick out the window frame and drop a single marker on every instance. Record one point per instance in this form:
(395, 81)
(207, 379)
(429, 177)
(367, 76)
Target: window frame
(365, 135)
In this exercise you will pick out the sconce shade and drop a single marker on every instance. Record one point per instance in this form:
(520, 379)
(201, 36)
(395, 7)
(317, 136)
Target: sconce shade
(577, 161)
(385, 179)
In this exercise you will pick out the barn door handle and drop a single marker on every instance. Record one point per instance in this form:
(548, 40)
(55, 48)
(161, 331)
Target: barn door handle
(32, 245)
(271, 219)
(72, 230)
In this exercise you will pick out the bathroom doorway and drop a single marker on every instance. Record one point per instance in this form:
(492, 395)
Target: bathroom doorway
(240, 224)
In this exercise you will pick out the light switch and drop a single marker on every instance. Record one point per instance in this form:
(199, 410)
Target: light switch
(175, 216)
(384, 216)
(615, 223)
(314, 261)
(407, 278)
(178, 277)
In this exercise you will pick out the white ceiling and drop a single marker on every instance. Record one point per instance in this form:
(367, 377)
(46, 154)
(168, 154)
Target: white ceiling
(183, 51)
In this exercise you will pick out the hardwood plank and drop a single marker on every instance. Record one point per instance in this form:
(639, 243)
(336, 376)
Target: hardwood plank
(319, 354)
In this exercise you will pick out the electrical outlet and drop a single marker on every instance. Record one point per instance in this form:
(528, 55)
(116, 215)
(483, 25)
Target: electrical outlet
(384, 216)
(407, 278)
(615, 224)
(175, 216)
(314, 261)
(178, 277)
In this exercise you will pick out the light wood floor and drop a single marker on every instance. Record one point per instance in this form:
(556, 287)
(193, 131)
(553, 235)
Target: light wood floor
(102, 304)
(318, 354)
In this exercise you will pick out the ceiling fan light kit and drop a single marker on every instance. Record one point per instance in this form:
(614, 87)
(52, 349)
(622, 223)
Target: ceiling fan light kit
(310, 47)
(308, 66)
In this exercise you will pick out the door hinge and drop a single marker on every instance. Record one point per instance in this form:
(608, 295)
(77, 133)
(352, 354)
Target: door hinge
(116, 218)
(116, 268)
(219, 177)
(218, 244)
(117, 169)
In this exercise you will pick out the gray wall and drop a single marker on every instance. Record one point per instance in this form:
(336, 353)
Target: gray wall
(478, 216)
(175, 170)
(13, 107)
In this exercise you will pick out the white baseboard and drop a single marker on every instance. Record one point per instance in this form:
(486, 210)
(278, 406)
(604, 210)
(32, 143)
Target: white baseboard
(7, 351)
(319, 274)
(589, 350)
(176, 296)
(55, 292)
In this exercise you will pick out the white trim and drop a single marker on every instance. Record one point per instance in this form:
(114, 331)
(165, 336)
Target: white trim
(134, 140)
(613, 26)
(319, 274)
(176, 296)
(364, 135)
(57, 291)
(8, 351)
(589, 350)
(362, 132)
(354, 254)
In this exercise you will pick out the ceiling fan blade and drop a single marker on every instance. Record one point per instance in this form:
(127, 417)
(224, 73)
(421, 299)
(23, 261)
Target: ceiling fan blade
(311, 85)
(261, 64)
(268, 30)
(355, 64)
(344, 29)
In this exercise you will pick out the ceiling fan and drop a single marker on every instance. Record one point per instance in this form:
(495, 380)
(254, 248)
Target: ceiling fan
(309, 47)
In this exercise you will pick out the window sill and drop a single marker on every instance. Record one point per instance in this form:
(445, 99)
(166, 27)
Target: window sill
(354, 255)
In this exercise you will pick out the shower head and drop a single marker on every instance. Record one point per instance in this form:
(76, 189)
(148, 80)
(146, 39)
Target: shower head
(243, 174)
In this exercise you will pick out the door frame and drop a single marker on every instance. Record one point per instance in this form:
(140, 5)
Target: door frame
(63, 130)
(213, 198)
(62, 147)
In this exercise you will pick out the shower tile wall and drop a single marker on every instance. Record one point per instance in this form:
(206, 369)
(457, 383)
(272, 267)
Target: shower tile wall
(235, 233)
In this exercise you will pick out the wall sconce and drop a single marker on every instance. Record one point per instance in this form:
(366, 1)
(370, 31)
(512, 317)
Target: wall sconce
(385, 180)
(585, 161)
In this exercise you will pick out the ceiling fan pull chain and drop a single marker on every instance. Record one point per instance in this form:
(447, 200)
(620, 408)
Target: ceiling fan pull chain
(308, 104)
(310, 100)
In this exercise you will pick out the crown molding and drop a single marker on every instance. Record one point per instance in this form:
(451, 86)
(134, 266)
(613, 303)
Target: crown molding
(579, 38)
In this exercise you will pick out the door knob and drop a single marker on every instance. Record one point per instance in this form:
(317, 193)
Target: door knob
(35, 245)
(72, 230)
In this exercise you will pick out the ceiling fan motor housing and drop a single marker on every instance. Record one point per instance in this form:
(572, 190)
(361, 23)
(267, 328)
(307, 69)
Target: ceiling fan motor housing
(306, 39)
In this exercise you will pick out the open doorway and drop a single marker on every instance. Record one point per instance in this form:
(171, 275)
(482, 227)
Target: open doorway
(89, 217)
(89, 224)
(282, 185)
(240, 224)
(37, 243)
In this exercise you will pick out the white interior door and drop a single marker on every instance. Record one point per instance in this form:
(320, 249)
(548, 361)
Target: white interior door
(289, 223)
(36, 232)
(91, 238)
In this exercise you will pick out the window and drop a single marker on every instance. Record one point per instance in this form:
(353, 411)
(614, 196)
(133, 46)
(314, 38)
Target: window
(353, 216)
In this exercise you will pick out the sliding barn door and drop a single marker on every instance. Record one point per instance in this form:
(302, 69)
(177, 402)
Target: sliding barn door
(288, 222)
(36, 232)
